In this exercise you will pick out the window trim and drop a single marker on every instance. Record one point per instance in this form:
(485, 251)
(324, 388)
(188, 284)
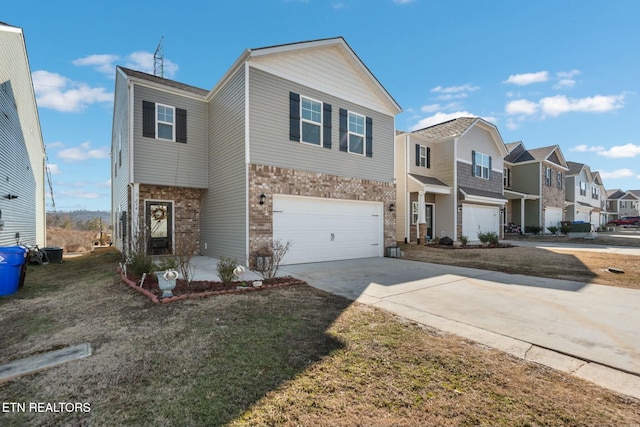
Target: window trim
(311, 122)
(547, 176)
(159, 122)
(414, 212)
(363, 135)
(559, 180)
(583, 192)
(481, 165)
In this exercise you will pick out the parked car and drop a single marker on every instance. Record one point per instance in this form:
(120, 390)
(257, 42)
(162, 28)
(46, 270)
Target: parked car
(626, 220)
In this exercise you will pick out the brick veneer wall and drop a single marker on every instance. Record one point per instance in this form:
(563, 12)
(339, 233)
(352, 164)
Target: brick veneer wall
(186, 208)
(270, 180)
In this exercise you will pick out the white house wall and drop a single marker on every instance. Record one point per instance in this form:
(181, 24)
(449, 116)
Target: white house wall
(21, 147)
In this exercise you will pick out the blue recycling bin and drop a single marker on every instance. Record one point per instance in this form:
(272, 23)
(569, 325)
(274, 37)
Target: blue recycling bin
(12, 261)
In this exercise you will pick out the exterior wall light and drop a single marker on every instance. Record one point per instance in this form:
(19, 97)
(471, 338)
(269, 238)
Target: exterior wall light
(261, 198)
(10, 196)
(392, 207)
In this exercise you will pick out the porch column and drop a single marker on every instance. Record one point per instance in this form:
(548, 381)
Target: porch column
(522, 206)
(421, 214)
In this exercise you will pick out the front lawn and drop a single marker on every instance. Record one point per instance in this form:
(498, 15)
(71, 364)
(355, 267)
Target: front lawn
(289, 356)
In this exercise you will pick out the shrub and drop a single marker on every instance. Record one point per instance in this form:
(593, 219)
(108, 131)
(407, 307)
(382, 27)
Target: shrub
(489, 237)
(464, 240)
(140, 263)
(552, 229)
(565, 229)
(225, 269)
(533, 229)
(269, 259)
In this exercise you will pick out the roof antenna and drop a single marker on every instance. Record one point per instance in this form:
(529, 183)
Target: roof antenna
(158, 59)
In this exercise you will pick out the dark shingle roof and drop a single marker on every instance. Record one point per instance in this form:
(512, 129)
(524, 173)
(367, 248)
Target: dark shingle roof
(482, 193)
(574, 168)
(427, 180)
(166, 82)
(448, 129)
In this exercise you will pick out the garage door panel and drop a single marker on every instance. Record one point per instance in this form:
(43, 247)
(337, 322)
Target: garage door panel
(327, 229)
(552, 217)
(476, 219)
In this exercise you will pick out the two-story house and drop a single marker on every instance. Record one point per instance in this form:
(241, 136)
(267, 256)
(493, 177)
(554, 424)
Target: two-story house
(623, 203)
(534, 182)
(294, 143)
(585, 195)
(449, 180)
(22, 158)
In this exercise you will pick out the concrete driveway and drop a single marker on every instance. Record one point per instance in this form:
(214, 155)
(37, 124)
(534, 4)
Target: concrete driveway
(591, 331)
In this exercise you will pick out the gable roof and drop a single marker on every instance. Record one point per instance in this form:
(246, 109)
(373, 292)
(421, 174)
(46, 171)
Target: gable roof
(338, 42)
(551, 153)
(162, 81)
(635, 193)
(575, 168)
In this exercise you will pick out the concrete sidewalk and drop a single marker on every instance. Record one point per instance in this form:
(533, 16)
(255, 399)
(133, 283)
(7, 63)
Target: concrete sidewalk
(588, 247)
(590, 331)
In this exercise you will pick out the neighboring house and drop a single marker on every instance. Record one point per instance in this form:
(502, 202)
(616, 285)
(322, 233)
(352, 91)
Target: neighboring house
(623, 203)
(22, 159)
(449, 180)
(534, 184)
(294, 143)
(585, 195)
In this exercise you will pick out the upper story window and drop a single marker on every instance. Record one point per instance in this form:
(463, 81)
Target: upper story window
(481, 166)
(547, 177)
(311, 120)
(356, 133)
(559, 180)
(506, 177)
(423, 156)
(583, 188)
(165, 121)
(595, 193)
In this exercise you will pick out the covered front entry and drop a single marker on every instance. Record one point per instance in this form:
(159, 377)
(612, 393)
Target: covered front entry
(480, 219)
(159, 223)
(327, 229)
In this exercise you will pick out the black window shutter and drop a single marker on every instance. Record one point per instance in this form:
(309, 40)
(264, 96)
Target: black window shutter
(369, 137)
(148, 119)
(489, 167)
(181, 125)
(294, 117)
(344, 133)
(428, 157)
(326, 125)
(473, 162)
(417, 154)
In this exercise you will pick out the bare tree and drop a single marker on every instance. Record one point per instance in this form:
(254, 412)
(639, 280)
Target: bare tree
(270, 257)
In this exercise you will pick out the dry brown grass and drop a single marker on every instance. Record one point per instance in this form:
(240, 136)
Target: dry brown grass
(294, 356)
(581, 266)
(72, 241)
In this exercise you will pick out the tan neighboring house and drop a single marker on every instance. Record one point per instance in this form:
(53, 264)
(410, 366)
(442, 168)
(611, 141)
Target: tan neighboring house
(22, 158)
(449, 180)
(586, 195)
(294, 143)
(534, 184)
(623, 203)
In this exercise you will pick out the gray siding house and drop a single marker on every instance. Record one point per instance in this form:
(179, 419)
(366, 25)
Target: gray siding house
(22, 158)
(295, 143)
(449, 180)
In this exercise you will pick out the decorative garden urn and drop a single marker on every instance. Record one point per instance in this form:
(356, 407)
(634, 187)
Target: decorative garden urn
(167, 282)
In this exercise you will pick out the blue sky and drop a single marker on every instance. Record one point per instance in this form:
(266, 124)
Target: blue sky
(545, 72)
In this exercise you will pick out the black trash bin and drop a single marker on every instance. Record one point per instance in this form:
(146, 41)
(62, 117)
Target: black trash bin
(53, 253)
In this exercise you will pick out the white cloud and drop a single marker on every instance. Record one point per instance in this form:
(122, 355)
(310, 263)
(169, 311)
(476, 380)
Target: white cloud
(79, 194)
(528, 78)
(430, 108)
(56, 144)
(53, 169)
(83, 152)
(143, 61)
(521, 106)
(566, 79)
(105, 184)
(620, 173)
(62, 94)
(560, 104)
(582, 148)
(444, 117)
(102, 63)
(621, 151)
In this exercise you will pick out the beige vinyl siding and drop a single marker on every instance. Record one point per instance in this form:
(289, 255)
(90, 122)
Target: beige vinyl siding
(21, 146)
(269, 133)
(401, 187)
(119, 171)
(223, 216)
(162, 162)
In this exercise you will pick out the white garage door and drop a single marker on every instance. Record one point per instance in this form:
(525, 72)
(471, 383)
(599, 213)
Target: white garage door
(552, 218)
(476, 219)
(327, 229)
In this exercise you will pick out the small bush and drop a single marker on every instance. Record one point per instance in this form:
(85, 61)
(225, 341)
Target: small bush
(269, 258)
(533, 229)
(553, 229)
(140, 263)
(464, 240)
(225, 269)
(565, 229)
(489, 237)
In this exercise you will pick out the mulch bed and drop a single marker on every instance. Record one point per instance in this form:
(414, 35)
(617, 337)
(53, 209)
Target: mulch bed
(202, 288)
(439, 246)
